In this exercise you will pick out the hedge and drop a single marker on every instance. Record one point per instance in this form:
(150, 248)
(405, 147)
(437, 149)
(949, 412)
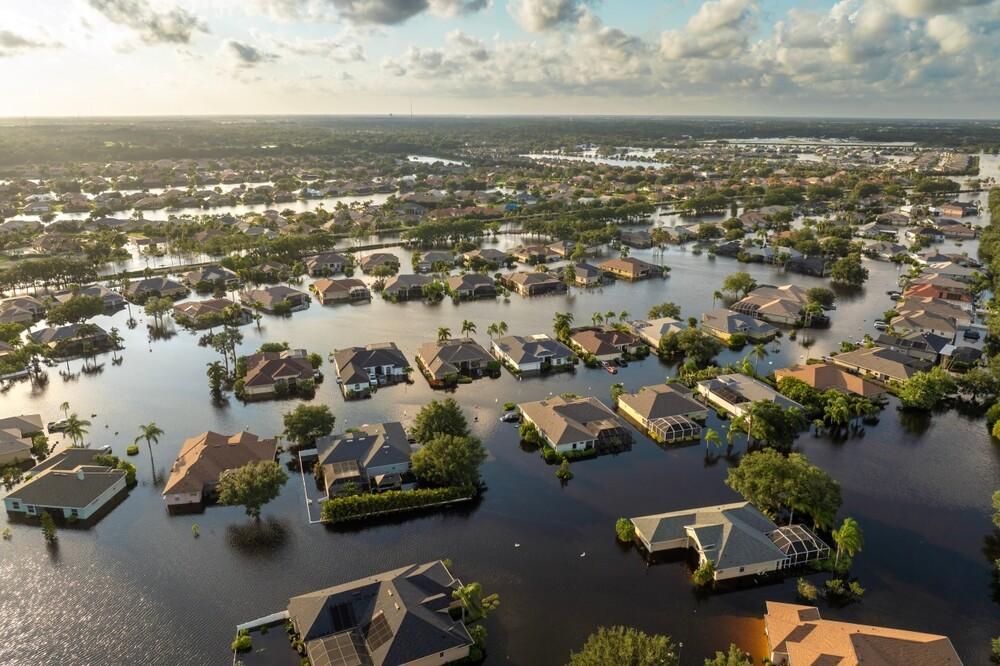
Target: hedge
(352, 507)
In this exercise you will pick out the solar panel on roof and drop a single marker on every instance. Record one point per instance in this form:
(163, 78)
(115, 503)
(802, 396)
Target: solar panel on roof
(378, 632)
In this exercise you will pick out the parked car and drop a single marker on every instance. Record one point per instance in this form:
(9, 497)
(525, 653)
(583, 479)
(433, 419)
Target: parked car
(970, 334)
(511, 417)
(610, 368)
(895, 295)
(58, 426)
(880, 325)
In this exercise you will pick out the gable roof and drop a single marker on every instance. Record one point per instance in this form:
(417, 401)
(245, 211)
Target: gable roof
(823, 376)
(532, 348)
(661, 400)
(374, 445)
(565, 421)
(68, 479)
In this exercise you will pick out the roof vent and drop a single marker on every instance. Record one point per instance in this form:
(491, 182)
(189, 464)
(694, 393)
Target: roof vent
(79, 473)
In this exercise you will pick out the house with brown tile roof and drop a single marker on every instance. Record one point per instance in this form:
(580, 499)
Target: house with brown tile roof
(344, 290)
(881, 363)
(444, 360)
(269, 373)
(580, 424)
(604, 342)
(825, 376)
(267, 298)
(629, 268)
(203, 460)
(534, 283)
(798, 636)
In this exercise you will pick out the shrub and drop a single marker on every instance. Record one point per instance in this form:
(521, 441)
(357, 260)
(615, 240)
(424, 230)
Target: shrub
(806, 590)
(993, 415)
(704, 575)
(132, 450)
(242, 642)
(564, 472)
(352, 507)
(550, 455)
(625, 530)
(511, 406)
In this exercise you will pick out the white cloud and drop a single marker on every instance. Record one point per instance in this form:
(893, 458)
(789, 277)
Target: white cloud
(542, 15)
(918, 8)
(719, 29)
(174, 25)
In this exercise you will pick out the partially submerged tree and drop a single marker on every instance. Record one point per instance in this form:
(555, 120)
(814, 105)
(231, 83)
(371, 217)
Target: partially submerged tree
(252, 486)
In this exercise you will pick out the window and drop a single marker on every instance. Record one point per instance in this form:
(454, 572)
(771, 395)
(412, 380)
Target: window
(15, 505)
(75, 513)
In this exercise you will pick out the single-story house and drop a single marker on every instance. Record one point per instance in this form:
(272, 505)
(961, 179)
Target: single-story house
(112, 299)
(534, 254)
(430, 259)
(486, 256)
(604, 342)
(532, 353)
(629, 268)
(653, 330)
(209, 310)
(922, 346)
(376, 259)
(405, 287)
(68, 484)
(735, 393)
(397, 617)
(724, 324)
(471, 286)
(361, 368)
(374, 457)
(205, 458)
(825, 376)
(325, 263)
(269, 372)
(637, 239)
(211, 275)
(578, 424)
(534, 283)
(25, 425)
(21, 310)
(15, 448)
(71, 337)
(446, 359)
(921, 321)
(586, 275)
(881, 363)
(798, 636)
(344, 290)
(736, 538)
(163, 287)
(267, 298)
(668, 412)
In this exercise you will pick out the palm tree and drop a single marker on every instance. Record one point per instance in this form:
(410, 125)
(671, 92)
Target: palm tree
(609, 315)
(151, 433)
(501, 327)
(758, 352)
(712, 438)
(492, 330)
(468, 327)
(597, 319)
(64, 408)
(444, 333)
(623, 315)
(848, 538)
(717, 296)
(76, 429)
(116, 340)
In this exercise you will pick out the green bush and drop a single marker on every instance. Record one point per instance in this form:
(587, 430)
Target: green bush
(993, 415)
(806, 590)
(242, 642)
(704, 575)
(511, 406)
(625, 530)
(132, 450)
(564, 472)
(352, 507)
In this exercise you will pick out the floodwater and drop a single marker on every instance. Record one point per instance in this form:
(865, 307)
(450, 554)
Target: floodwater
(139, 588)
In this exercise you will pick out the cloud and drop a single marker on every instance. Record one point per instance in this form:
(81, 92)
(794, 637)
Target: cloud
(241, 55)
(393, 12)
(719, 29)
(173, 26)
(951, 34)
(12, 43)
(922, 8)
(333, 49)
(542, 15)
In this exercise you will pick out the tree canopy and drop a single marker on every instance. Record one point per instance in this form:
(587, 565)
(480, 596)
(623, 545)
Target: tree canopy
(449, 460)
(625, 646)
(252, 486)
(439, 417)
(306, 423)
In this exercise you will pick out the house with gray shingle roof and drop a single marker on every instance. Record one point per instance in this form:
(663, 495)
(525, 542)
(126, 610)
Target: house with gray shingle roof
(580, 424)
(68, 484)
(443, 361)
(470, 286)
(361, 368)
(374, 457)
(668, 412)
(532, 353)
(736, 538)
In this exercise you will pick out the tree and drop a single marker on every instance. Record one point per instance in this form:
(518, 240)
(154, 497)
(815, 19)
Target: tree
(691, 344)
(156, 307)
(996, 508)
(732, 657)
(444, 333)
(848, 538)
(924, 390)
(758, 352)
(704, 575)
(252, 486)
(449, 460)
(617, 389)
(75, 310)
(76, 429)
(625, 530)
(849, 271)
(49, 529)
(561, 323)
(712, 439)
(564, 473)
(474, 605)
(468, 327)
(439, 417)
(739, 284)
(625, 646)
(671, 310)
(768, 423)
(216, 377)
(825, 297)
(306, 423)
(151, 433)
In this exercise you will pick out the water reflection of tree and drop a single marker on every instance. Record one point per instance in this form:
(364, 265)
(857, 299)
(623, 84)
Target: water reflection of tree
(258, 537)
(914, 422)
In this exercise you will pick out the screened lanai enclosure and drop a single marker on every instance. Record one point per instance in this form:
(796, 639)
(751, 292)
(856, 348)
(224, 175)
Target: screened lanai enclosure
(799, 544)
(667, 429)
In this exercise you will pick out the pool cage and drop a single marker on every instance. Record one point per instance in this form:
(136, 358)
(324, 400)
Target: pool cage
(674, 429)
(799, 544)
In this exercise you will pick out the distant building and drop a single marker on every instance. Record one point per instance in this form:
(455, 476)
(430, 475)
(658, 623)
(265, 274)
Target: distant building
(798, 636)
(140, 290)
(211, 276)
(586, 275)
(205, 458)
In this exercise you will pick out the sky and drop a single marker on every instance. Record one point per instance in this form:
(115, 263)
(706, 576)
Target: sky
(861, 58)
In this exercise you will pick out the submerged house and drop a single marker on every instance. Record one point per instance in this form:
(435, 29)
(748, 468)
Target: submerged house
(735, 393)
(403, 616)
(534, 283)
(630, 268)
(443, 361)
(724, 324)
(69, 484)
(359, 369)
(533, 353)
(271, 373)
(345, 290)
(205, 458)
(471, 286)
(605, 343)
(736, 538)
(885, 365)
(374, 458)
(580, 424)
(269, 298)
(667, 412)
(405, 287)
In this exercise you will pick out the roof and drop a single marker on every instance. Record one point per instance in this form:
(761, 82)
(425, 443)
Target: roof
(601, 341)
(807, 638)
(265, 368)
(26, 424)
(209, 306)
(68, 479)
(469, 281)
(652, 330)
(352, 363)
(532, 348)
(730, 535)
(922, 320)
(325, 286)
(13, 443)
(528, 278)
(630, 265)
(824, 376)
(565, 421)
(737, 388)
(444, 357)
(269, 296)
(369, 446)
(731, 322)
(889, 362)
(395, 617)
(661, 400)
(52, 335)
(205, 457)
